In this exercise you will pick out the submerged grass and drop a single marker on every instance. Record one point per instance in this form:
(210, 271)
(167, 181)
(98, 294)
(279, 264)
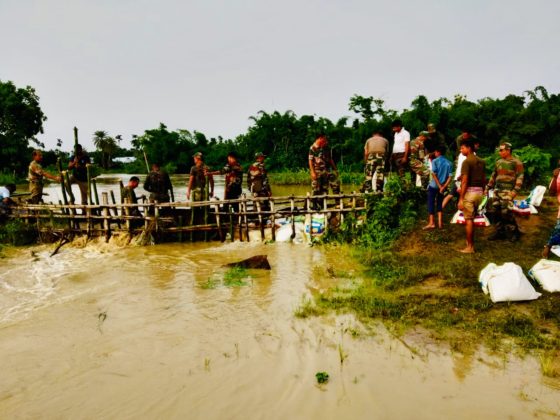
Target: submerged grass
(236, 277)
(421, 280)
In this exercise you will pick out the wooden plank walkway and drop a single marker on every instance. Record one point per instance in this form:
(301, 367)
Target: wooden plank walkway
(209, 219)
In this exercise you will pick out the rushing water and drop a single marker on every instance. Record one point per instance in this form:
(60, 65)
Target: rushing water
(107, 331)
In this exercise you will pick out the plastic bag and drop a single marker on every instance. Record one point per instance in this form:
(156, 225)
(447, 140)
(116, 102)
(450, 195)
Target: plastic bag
(547, 274)
(506, 283)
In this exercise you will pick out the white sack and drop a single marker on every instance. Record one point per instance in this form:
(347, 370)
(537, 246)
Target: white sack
(547, 274)
(506, 283)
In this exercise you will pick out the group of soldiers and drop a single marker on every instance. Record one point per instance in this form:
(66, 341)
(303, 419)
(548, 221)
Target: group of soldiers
(407, 156)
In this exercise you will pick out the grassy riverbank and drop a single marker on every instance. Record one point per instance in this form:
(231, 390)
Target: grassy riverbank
(422, 283)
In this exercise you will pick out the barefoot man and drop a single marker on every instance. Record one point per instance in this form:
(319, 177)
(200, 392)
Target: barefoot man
(473, 180)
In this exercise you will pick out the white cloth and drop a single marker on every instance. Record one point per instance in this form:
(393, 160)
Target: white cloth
(460, 161)
(401, 138)
(4, 193)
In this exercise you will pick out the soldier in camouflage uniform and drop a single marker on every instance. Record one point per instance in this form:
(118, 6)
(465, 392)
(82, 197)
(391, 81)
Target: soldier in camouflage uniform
(324, 173)
(418, 162)
(233, 178)
(158, 184)
(128, 196)
(35, 174)
(199, 182)
(375, 155)
(257, 178)
(506, 180)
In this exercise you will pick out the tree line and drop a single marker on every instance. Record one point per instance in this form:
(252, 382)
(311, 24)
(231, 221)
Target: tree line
(530, 121)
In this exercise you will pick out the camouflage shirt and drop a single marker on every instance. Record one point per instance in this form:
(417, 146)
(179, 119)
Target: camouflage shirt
(35, 172)
(417, 150)
(257, 178)
(157, 183)
(320, 158)
(199, 179)
(507, 175)
(234, 175)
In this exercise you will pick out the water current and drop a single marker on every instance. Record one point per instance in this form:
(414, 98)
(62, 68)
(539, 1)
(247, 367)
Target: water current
(108, 331)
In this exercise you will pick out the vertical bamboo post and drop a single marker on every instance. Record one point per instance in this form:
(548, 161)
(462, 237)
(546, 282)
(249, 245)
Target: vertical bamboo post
(121, 186)
(106, 215)
(220, 233)
(206, 196)
(240, 220)
(308, 203)
(292, 210)
(89, 196)
(115, 209)
(231, 227)
(273, 218)
(192, 221)
(126, 210)
(62, 186)
(95, 194)
(246, 220)
(70, 193)
(261, 224)
(156, 215)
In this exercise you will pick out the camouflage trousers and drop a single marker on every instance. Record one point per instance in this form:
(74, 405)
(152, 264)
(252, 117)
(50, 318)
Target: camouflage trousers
(501, 207)
(325, 180)
(198, 194)
(375, 162)
(36, 190)
(418, 167)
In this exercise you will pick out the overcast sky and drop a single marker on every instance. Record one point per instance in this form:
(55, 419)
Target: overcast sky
(124, 66)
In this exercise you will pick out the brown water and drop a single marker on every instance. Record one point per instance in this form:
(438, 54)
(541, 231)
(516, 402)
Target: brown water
(111, 332)
(110, 182)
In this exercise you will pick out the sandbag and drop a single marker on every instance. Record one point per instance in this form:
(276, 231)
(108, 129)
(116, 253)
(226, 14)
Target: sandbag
(537, 195)
(506, 283)
(547, 274)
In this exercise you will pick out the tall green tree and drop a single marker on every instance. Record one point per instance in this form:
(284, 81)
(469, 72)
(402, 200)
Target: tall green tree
(107, 145)
(21, 119)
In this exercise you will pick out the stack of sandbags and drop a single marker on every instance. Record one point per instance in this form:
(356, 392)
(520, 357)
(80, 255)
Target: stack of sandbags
(506, 283)
(547, 274)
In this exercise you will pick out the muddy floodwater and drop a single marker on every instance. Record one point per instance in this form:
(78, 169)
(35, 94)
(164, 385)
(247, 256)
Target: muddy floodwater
(113, 332)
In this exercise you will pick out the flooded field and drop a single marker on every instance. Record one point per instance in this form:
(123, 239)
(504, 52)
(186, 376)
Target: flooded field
(155, 332)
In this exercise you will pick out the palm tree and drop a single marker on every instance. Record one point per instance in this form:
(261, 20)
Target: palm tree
(106, 145)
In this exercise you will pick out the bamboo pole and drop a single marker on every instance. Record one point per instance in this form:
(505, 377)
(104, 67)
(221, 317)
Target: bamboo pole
(70, 193)
(218, 223)
(180, 226)
(126, 210)
(95, 194)
(89, 196)
(246, 220)
(273, 219)
(292, 209)
(106, 215)
(261, 225)
(115, 209)
(231, 227)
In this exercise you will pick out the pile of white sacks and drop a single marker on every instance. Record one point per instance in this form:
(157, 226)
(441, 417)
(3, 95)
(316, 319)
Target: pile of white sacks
(507, 283)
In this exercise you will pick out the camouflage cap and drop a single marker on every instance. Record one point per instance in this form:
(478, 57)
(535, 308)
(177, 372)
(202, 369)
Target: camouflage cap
(507, 145)
(259, 154)
(197, 155)
(424, 133)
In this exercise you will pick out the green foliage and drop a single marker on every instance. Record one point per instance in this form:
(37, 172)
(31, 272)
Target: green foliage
(388, 216)
(16, 232)
(536, 163)
(236, 276)
(21, 119)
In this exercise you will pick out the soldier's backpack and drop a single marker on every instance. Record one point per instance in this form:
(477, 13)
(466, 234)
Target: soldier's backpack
(553, 186)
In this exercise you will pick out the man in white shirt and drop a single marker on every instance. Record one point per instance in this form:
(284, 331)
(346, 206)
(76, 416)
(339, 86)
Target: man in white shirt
(401, 147)
(5, 200)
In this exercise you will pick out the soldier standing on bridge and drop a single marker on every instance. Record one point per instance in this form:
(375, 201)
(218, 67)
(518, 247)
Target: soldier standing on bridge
(78, 164)
(506, 180)
(257, 177)
(158, 184)
(198, 179)
(233, 177)
(375, 155)
(36, 173)
(324, 173)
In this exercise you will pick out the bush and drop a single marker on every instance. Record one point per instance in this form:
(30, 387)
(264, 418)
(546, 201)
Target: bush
(16, 232)
(388, 215)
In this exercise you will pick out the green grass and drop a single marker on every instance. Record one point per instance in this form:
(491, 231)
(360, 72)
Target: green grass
(302, 177)
(236, 277)
(420, 280)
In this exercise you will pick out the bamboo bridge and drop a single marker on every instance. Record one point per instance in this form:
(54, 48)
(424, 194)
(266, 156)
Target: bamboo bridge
(180, 221)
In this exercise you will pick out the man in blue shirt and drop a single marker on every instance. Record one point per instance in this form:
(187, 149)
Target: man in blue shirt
(441, 177)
